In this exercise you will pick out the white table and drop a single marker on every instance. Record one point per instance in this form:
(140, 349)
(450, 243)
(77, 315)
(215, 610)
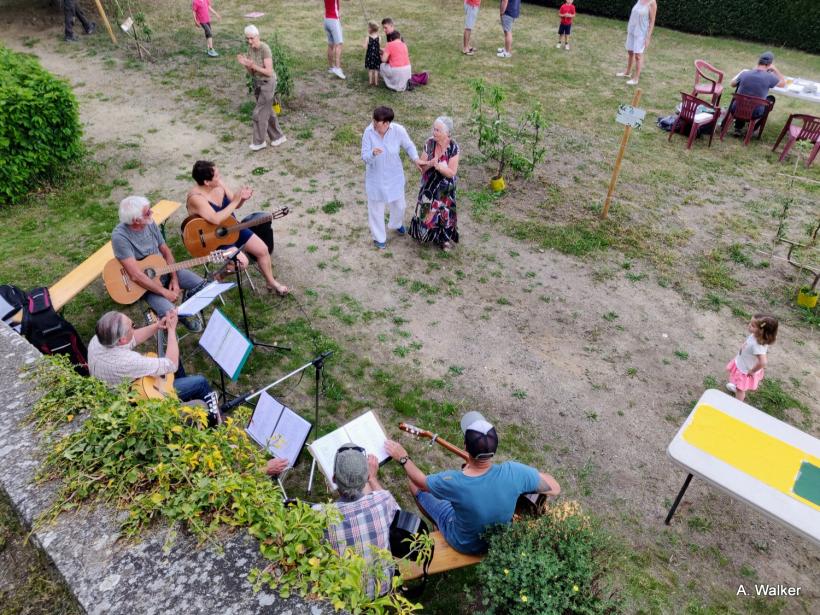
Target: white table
(754, 457)
(795, 86)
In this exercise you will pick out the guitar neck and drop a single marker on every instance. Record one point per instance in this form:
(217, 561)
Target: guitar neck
(185, 264)
(259, 220)
(431, 436)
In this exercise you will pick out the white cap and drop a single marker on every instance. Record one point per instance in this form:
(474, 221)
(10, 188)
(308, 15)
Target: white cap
(475, 421)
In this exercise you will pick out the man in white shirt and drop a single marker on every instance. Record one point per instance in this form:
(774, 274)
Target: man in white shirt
(384, 174)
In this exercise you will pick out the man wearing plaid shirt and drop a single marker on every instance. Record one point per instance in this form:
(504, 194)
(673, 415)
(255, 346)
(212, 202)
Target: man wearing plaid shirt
(367, 511)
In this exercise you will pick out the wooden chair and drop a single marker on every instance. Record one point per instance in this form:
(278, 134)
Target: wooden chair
(690, 116)
(444, 558)
(744, 108)
(808, 131)
(713, 86)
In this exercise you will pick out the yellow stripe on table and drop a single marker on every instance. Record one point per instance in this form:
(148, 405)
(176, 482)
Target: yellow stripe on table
(750, 450)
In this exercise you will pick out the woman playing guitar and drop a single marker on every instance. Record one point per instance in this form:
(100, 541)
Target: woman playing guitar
(212, 200)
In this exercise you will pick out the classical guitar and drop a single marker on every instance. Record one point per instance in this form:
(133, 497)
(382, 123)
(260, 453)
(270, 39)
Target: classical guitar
(126, 291)
(529, 504)
(155, 387)
(201, 236)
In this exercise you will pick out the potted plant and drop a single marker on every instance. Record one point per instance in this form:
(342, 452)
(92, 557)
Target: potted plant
(510, 145)
(807, 297)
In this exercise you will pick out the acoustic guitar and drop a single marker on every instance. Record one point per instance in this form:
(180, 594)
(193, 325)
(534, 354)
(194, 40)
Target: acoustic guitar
(201, 236)
(126, 291)
(155, 387)
(528, 504)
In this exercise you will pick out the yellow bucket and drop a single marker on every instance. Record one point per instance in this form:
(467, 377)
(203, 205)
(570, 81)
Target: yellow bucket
(498, 184)
(806, 299)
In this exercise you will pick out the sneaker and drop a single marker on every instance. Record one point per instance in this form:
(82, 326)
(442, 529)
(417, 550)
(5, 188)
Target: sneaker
(213, 53)
(338, 72)
(731, 387)
(279, 141)
(632, 82)
(622, 74)
(332, 70)
(71, 39)
(500, 49)
(381, 245)
(558, 46)
(257, 146)
(401, 230)
(92, 28)
(193, 323)
(504, 54)
(566, 46)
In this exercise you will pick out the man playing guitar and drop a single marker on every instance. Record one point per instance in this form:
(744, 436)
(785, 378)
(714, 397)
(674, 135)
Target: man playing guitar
(112, 358)
(464, 503)
(136, 237)
(212, 200)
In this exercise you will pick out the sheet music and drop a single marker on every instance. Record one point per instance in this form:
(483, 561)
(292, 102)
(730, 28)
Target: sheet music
(263, 421)
(324, 451)
(278, 429)
(367, 432)
(203, 298)
(226, 344)
(290, 435)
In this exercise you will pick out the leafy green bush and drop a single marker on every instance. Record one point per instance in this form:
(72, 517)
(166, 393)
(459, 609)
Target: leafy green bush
(552, 564)
(281, 64)
(39, 125)
(158, 460)
(793, 24)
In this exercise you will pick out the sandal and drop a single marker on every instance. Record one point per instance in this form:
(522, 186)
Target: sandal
(469, 52)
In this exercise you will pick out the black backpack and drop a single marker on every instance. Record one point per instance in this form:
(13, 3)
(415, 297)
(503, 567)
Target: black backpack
(50, 333)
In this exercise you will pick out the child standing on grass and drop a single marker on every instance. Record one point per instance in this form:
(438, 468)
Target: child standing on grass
(566, 12)
(746, 369)
(372, 57)
(202, 17)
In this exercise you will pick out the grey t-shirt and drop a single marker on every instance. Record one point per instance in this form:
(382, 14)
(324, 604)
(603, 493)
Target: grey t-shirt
(128, 243)
(756, 83)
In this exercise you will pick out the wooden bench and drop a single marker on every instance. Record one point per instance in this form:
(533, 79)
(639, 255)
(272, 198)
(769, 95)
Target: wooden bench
(72, 284)
(444, 558)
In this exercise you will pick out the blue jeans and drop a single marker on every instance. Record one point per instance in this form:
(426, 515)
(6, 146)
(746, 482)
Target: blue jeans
(440, 511)
(192, 387)
(188, 280)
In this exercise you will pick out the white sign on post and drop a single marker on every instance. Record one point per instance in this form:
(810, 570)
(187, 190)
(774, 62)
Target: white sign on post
(630, 116)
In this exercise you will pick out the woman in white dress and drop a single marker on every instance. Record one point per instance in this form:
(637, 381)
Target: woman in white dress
(638, 35)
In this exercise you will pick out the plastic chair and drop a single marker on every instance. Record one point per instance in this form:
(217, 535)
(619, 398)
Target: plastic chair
(743, 108)
(808, 131)
(690, 116)
(713, 85)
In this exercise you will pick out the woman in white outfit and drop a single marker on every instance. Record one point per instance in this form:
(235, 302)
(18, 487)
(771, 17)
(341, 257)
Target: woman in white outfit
(384, 174)
(638, 35)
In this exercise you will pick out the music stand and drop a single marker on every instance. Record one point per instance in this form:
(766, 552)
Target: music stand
(238, 272)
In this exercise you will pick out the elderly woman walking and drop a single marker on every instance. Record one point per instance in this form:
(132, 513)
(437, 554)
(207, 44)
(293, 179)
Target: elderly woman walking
(384, 175)
(435, 218)
(259, 64)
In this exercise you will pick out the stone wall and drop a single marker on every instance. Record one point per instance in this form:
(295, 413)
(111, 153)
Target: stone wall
(107, 575)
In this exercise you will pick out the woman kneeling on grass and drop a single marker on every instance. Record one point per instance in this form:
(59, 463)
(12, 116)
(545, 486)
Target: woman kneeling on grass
(395, 69)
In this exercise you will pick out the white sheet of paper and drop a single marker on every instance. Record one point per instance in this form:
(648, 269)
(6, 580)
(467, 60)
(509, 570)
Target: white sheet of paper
(324, 451)
(224, 343)
(263, 421)
(203, 298)
(368, 433)
(288, 446)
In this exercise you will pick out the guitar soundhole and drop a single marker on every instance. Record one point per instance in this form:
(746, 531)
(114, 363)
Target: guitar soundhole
(151, 273)
(221, 232)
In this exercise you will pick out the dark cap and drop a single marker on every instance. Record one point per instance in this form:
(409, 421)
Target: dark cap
(766, 58)
(350, 469)
(480, 437)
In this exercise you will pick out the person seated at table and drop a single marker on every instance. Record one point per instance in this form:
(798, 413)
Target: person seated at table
(757, 82)
(136, 237)
(212, 200)
(395, 68)
(112, 358)
(464, 503)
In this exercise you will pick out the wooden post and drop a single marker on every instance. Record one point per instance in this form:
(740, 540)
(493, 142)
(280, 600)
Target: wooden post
(627, 131)
(105, 21)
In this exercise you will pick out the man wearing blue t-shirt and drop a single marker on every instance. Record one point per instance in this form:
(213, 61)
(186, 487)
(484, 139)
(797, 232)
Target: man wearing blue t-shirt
(509, 11)
(464, 503)
(757, 82)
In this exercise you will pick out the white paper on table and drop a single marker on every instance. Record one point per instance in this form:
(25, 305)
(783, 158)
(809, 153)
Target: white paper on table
(367, 432)
(203, 298)
(226, 344)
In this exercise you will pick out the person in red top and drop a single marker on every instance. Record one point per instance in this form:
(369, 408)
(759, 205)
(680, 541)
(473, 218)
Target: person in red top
(333, 29)
(566, 12)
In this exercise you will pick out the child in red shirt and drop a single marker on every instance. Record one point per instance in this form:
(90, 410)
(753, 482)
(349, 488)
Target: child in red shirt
(566, 13)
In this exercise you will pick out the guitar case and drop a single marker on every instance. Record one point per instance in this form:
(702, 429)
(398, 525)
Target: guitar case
(264, 231)
(50, 333)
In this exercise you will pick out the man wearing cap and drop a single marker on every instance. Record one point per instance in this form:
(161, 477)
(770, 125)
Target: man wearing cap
(367, 510)
(464, 503)
(757, 82)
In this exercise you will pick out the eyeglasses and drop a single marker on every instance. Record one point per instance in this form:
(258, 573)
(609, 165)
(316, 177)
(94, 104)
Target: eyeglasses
(358, 449)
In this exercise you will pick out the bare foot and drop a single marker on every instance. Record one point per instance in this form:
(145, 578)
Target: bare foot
(279, 289)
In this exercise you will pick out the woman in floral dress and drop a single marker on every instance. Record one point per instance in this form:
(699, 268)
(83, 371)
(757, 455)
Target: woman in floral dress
(435, 219)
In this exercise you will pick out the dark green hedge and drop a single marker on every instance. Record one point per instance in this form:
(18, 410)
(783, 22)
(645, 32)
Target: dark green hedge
(793, 23)
(39, 126)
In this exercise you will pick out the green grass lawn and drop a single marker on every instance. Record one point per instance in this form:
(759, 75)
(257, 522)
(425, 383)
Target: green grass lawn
(699, 221)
